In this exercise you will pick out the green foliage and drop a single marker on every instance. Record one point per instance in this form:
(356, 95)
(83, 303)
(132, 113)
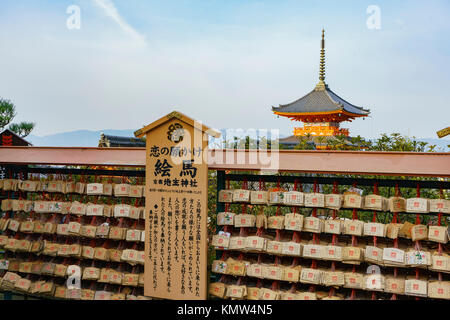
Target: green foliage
(397, 142)
(392, 142)
(305, 143)
(7, 114)
(22, 129)
(248, 143)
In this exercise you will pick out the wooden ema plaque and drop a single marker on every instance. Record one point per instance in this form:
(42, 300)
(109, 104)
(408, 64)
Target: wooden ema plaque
(176, 208)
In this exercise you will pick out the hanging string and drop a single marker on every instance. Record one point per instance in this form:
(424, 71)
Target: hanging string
(296, 236)
(334, 213)
(260, 230)
(335, 191)
(243, 230)
(295, 189)
(314, 214)
(417, 242)
(333, 238)
(227, 187)
(418, 196)
(353, 293)
(293, 288)
(354, 244)
(374, 219)
(354, 217)
(441, 196)
(259, 284)
(275, 285)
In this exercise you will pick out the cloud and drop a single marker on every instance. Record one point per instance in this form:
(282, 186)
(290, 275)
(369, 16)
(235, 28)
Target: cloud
(111, 11)
(227, 71)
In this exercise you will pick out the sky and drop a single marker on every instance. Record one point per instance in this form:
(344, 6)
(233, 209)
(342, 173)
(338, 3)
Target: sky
(224, 62)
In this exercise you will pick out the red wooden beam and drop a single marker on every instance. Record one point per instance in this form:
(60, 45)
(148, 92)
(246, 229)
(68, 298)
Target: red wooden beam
(435, 164)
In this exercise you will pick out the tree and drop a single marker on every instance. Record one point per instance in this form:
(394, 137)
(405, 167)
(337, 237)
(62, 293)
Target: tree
(305, 143)
(397, 142)
(7, 114)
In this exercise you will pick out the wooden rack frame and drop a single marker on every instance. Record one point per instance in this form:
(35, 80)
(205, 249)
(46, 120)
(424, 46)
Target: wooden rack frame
(307, 167)
(434, 164)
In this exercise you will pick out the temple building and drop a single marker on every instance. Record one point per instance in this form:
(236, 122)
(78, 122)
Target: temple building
(9, 138)
(321, 112)
(109, 141)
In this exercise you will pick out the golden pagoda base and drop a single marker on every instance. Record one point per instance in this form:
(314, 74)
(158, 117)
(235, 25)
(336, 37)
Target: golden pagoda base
(320, 130)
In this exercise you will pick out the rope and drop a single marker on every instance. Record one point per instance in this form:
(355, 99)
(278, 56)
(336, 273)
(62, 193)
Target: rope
(417, 244)
(441, 195)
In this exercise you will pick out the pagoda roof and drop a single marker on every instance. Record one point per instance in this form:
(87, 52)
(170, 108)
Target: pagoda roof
(322, 100)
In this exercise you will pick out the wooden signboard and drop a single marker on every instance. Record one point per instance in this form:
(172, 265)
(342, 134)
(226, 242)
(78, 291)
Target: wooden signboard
(176, 208)
(444, 132)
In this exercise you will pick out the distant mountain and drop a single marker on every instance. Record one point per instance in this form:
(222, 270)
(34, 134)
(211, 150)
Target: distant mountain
(88, 138)
(79, 138)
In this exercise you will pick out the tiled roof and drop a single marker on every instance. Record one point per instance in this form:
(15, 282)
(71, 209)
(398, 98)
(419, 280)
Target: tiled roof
(289, 140)
(321, 100)
(16, 141)
(118, 141)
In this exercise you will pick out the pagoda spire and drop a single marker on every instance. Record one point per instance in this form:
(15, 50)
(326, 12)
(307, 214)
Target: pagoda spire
(322, 58)
(321, 85)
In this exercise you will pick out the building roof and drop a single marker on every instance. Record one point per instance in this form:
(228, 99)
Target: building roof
(10, 138)
(294, 140)
(181, 117)
(320, 101)
(108, 141)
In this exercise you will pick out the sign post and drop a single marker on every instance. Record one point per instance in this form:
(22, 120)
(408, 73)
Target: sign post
(176, 208)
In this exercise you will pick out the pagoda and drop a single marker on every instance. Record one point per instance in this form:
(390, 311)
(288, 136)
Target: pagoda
(321, 110)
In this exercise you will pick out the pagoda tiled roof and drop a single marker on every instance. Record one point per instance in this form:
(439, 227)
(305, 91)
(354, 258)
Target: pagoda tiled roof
(321, 100)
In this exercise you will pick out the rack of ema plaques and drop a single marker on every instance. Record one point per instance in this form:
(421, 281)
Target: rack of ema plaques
(330, 238)
(72, 234)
